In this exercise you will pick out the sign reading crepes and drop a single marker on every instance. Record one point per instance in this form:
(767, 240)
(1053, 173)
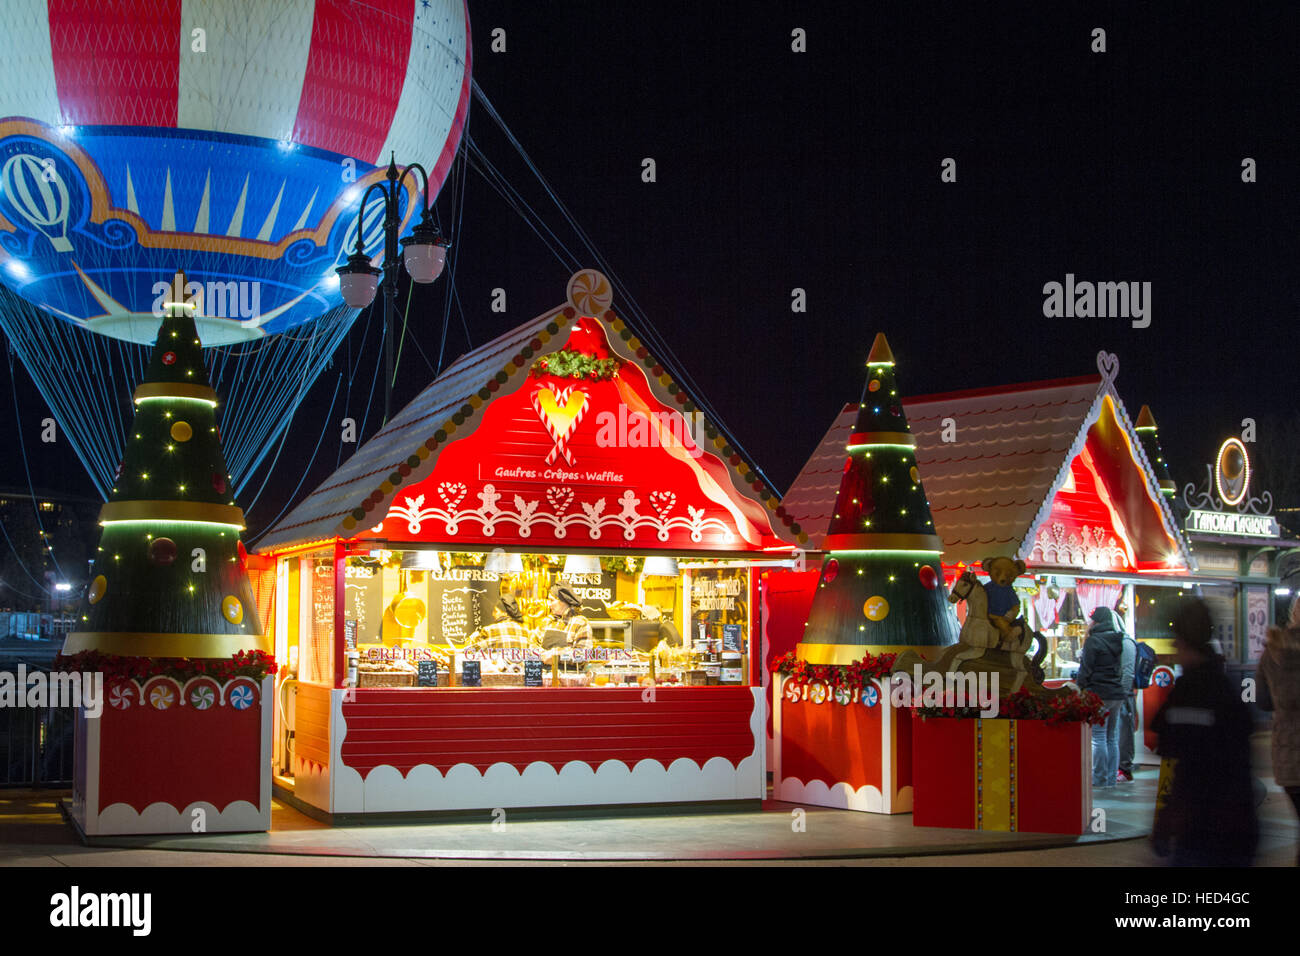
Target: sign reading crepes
(1237, 525)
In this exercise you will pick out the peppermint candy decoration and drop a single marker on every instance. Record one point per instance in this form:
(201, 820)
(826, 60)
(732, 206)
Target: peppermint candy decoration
(843, 695)
(1163, 677)
(590, 292)
(817, 692)
(870, 696)
(162, 697)
(121, 696)
(241, 698)
(201, 698)
(169, 358)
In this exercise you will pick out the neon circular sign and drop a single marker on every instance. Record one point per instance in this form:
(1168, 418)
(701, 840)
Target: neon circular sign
(1232, 472)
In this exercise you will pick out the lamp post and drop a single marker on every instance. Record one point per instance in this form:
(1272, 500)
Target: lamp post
(424, 253)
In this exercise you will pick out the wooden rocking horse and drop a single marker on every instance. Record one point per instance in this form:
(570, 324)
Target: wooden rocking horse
(982, 646)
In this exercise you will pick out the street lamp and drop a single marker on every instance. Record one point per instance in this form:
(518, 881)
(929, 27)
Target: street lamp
(424, 253)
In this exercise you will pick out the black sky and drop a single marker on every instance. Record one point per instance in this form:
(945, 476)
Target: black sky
(821, 170)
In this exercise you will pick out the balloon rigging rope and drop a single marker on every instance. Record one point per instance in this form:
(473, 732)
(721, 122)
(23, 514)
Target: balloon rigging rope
(292, 497)
(642, 321)
(45, 538)
(47, 359)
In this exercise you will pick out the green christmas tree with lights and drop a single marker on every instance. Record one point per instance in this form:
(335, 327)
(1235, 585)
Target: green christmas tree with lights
(1146, 431)
(168, 580)
(881, 587)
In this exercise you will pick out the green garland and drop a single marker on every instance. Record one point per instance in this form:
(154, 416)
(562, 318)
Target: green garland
(567, 363)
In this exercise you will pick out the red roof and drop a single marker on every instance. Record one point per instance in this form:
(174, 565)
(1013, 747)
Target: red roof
(405, 451)
(990, 485)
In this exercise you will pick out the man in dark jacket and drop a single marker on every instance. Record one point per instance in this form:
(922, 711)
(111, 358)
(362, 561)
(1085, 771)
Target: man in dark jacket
(1100, 672)
(1209, 819)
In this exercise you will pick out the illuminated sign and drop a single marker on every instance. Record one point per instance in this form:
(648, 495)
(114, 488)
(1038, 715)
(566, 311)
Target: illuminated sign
(1239, 525)
(1232, 472)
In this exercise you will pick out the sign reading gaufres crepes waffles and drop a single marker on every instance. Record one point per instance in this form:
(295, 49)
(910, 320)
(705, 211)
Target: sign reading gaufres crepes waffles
(1237, 525)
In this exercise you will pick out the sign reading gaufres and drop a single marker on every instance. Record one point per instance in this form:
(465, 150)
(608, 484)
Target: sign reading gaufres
(1239, 525)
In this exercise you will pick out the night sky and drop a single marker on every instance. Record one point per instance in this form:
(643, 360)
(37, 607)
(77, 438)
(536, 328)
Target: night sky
(821, 170)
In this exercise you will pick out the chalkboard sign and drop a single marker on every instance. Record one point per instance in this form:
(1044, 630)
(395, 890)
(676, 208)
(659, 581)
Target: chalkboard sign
(471, 674)
(363, 601)
(731, 640)
(460, 602)
(532, 673)
(428, 674)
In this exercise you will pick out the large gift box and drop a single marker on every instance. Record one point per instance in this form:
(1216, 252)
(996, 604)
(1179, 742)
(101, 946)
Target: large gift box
(997, 774)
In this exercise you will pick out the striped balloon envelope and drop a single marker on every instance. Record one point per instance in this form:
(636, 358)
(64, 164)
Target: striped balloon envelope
(228, 138)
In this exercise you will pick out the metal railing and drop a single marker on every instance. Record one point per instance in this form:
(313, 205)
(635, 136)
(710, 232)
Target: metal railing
(36, 746)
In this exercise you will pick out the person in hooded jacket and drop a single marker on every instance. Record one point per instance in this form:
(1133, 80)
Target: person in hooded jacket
(1100, 671)
(1209, 817)
(1279, 672)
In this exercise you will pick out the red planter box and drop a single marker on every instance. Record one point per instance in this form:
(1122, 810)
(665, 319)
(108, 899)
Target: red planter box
(167, 758)
(853, 752)
(1011, 775)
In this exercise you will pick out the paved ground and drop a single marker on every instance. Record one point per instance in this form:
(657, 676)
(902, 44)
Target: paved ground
(34, 834)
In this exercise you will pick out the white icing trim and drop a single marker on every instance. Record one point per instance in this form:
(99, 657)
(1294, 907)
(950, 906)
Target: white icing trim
(839, 796)
(424, 788)
(240, 817)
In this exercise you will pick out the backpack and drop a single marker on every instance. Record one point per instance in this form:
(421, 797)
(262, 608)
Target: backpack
(1143, 666)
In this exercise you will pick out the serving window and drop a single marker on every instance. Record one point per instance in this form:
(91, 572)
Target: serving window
(457, 619)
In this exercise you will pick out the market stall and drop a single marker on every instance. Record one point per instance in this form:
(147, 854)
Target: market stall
(534, 587)
(1054, 474)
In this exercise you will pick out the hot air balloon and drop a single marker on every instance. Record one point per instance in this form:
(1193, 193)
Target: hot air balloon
(228, 139)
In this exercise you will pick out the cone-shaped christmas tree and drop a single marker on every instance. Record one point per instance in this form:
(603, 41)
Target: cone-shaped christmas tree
(167, 579)
(881, 588)
(1146, 430)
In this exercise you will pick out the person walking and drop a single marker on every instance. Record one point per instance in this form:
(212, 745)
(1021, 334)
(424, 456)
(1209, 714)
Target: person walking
(1279, 672)
(1128, 712)
(1204, 728)
(1100, 671)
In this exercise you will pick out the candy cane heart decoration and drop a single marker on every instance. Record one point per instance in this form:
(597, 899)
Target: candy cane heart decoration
(560, 412)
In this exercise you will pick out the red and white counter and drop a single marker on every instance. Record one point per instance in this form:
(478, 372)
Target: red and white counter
(377, 750)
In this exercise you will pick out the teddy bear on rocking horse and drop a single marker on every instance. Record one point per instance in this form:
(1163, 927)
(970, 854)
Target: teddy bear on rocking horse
(994, 636)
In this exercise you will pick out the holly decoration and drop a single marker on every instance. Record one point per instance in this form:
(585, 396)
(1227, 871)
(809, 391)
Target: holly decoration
(1083, 707)
(252, 664)
(568, 363)
(851, 677)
